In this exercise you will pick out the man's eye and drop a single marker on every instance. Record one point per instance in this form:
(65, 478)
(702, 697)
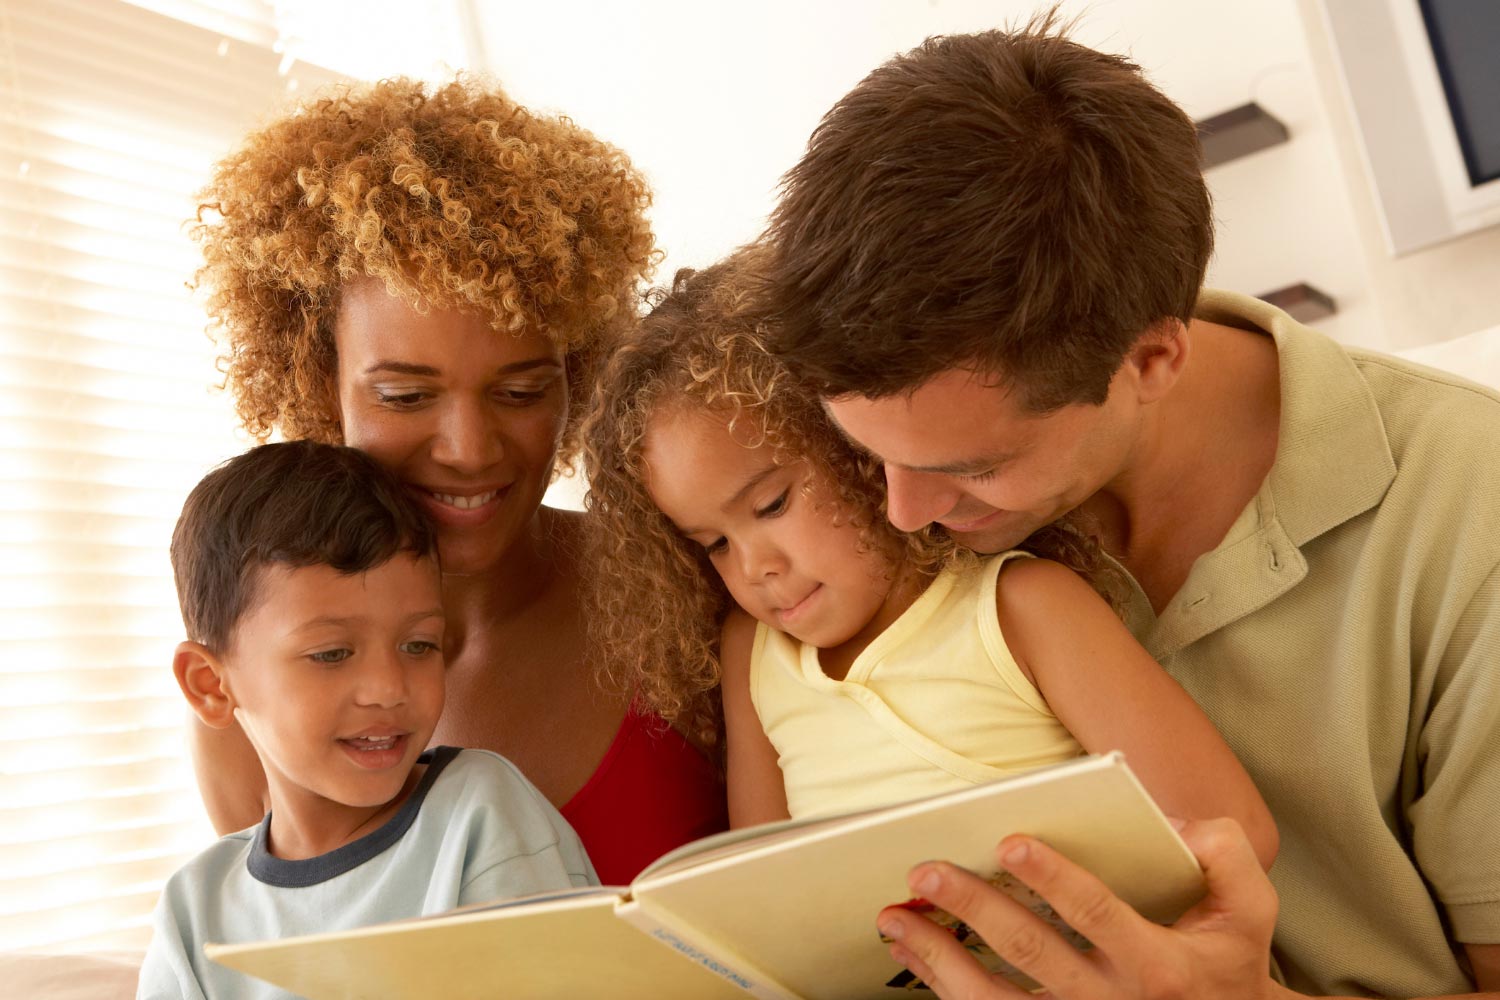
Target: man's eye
(331, 656)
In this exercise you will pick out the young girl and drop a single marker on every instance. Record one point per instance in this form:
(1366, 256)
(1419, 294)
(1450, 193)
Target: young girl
(740, 538)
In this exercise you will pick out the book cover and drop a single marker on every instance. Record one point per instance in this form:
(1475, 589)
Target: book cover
(780, 912)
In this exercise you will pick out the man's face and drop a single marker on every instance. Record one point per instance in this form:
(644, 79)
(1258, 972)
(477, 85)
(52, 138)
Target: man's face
(964, 453)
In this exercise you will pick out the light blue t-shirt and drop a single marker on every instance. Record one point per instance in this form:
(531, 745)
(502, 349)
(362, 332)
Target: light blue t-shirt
(474, 829)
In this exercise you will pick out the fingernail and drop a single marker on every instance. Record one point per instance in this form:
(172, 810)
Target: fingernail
(1016, 854)
(891, 929)
(1177, 824)
(927, 883)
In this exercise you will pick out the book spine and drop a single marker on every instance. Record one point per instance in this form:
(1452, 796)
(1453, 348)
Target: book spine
(695, 948)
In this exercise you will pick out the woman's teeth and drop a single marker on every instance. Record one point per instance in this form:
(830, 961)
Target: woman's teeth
(466, 503)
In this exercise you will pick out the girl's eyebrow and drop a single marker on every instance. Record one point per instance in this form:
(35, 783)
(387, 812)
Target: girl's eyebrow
(755, 480)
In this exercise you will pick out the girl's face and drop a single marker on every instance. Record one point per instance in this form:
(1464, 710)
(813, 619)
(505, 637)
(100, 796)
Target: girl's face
(775, 544)
(468, 417)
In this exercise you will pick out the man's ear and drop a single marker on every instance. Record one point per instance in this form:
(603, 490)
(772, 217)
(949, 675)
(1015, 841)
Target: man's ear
(1159, 356)
(200, 675)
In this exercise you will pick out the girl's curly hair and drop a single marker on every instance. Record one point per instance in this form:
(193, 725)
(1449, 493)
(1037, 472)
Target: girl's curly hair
(655, 603)
(453, 196)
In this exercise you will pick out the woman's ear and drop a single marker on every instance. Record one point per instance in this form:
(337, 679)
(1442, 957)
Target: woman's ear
(200, 675)
(1159, 357)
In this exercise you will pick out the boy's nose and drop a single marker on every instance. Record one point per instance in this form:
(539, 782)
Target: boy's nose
(382, 682)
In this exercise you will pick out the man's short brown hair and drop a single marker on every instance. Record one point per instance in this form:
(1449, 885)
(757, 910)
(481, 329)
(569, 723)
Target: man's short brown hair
(1008, 201)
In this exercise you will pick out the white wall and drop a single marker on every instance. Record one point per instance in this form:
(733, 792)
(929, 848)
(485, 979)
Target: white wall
(713, 101)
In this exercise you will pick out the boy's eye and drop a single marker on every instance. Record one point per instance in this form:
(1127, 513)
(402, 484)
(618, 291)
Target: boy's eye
(775, 506)
(330, 655)
(419, 647)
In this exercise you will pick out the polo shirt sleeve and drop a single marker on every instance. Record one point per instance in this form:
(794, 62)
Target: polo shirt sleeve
(1454, 817)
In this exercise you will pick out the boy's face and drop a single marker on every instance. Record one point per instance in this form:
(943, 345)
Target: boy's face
(962, 453)
(338, 679)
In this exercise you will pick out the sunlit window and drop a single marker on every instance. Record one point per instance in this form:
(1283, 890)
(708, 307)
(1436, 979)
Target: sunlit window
(110, 117)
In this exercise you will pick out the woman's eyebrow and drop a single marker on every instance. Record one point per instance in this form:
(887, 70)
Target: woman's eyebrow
(388, 366)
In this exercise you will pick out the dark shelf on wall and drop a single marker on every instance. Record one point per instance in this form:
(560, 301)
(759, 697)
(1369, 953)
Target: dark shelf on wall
(1239, 132)
(1302, 302)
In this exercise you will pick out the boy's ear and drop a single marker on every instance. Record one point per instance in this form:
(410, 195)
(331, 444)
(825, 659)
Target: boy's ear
(200, 675)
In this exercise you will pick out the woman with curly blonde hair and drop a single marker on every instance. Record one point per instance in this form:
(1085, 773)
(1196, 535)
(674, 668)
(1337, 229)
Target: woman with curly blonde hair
(430, 274)
(735, 532)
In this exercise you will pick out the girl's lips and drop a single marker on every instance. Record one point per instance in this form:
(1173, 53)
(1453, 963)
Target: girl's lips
(791, 614)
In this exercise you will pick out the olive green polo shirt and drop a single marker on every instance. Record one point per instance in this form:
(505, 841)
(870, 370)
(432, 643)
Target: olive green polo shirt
(1345, 638)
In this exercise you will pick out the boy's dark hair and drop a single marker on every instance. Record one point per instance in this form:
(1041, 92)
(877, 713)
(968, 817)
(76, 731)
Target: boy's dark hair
(299, 503)
(1008, 201)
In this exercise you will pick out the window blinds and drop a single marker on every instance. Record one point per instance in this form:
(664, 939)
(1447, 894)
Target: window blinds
(110, 117)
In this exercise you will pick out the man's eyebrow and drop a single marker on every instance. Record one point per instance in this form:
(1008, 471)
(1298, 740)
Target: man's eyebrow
(388, 366)
(966, 467)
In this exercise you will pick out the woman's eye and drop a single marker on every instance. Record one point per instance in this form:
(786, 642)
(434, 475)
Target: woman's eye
(400, 400)
(330, 656)
(419, 647)
(520, 397)
(716, 546)
(775, 507)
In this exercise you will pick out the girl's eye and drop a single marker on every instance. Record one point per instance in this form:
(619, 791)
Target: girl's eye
(775, 507)
(330, 656)
(419, 647)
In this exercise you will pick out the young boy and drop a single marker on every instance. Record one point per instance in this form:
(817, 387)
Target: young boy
(310, 591)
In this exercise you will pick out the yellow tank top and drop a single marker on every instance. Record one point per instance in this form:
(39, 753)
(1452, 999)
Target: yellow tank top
(935, 702)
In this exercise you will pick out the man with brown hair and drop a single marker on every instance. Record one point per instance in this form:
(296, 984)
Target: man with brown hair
(988, 263)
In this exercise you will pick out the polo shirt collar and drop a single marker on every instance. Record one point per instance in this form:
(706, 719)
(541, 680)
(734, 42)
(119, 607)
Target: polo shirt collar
(1333, 461)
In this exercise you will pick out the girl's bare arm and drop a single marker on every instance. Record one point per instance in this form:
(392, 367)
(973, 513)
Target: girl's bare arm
(1112, 695)
(756, 791)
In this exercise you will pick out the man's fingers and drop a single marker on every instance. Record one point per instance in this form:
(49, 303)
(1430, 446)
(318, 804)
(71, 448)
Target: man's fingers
(937, 958)
(1237, 885)
(1009, 928)
(1079, 898)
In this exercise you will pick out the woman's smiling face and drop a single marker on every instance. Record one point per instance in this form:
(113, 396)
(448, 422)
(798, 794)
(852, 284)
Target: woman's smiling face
(467, 416)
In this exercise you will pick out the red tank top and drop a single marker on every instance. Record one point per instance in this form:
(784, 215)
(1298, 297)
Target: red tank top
(653, 791)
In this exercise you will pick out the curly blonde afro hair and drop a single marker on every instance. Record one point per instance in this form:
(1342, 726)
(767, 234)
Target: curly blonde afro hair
(655, 604)
(454, 196)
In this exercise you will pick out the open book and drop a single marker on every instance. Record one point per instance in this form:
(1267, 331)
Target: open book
(785, 911)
